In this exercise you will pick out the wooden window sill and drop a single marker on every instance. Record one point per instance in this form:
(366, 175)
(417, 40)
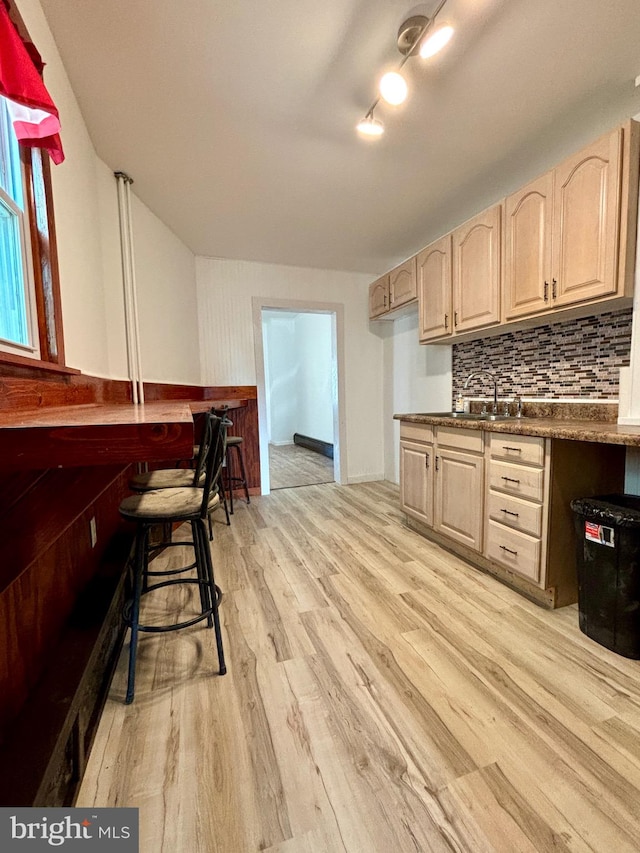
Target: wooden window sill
(13, 360)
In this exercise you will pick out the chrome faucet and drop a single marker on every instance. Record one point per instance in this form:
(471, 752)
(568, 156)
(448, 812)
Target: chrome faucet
(477, 373)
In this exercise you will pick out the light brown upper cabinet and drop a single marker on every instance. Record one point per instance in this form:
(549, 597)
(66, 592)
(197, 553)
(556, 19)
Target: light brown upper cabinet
(567, 232)
(402, 284)
(476, 247)
(435, 315)
(586, 213)
(379, 297)
(527, 274)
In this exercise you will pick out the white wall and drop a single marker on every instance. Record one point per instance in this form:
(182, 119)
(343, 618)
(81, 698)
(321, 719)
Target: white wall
(416, 379)
(225, 291)
(281, 375)
(299, 375)
(316, 377)
(117, 367)
(167, 301)
(87, 226)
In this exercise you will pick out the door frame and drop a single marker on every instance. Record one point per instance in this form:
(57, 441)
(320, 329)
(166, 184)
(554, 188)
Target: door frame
(336, 310)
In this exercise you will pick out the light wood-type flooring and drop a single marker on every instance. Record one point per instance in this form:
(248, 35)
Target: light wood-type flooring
(382, 697)
(292, 465)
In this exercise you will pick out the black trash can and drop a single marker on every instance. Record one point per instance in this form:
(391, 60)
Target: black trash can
(608, 559)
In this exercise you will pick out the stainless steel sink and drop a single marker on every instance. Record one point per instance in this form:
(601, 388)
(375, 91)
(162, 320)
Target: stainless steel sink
(469, 416)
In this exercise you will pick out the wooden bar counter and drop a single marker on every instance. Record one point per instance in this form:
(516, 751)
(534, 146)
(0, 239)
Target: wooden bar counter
(67, 444)
(99, 434)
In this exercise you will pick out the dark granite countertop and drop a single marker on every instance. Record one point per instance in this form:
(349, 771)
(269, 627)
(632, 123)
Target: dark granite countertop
(575, 422)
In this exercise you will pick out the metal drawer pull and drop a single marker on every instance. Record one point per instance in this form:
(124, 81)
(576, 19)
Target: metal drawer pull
(508, 511)
(510, 480)
(426, 460)
(515, 449)
(504, 548)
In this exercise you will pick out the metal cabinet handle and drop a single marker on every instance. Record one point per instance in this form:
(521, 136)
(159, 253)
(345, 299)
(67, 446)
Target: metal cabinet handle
(385, 300)
(515, 449)
(508, 550)
(455, 318)
(553, 288)
(437, 463)
(446, 321)
(508, 511)
(426, 460)
(546, 291)
(510, 480)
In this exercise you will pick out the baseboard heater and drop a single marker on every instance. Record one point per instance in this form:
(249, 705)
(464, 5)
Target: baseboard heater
(314, 444)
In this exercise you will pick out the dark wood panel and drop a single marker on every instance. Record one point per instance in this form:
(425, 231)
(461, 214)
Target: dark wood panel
(47, 745)
(46, 561)
(160, 391)
(45, 512)
(28, 387)
(245, 423)
(14, 485)
(90, 445)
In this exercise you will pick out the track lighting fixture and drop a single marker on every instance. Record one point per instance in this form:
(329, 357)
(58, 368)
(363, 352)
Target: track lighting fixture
(393, 88)
(417, 35)
(370, 126)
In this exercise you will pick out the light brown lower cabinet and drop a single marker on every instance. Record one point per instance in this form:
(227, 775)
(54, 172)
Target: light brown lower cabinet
(502, 501)
(458, 485)
(442, 480)
(417, 466)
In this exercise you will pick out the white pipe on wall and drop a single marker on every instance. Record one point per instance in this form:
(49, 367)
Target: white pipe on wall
(132, 328)
(134, 294)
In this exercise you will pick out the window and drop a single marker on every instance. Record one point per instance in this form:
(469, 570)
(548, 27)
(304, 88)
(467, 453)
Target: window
(30, 307)
(18, 307)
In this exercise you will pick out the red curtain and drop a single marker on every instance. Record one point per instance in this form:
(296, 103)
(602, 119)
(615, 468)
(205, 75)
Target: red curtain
(33, 113)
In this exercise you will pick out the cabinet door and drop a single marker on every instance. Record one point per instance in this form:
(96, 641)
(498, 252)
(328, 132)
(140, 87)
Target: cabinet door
(586, 222)
(476, 272)
(379, 297)
(416, 481)
(434, 290)
(527, 275)
(402, 283)
(458, 505)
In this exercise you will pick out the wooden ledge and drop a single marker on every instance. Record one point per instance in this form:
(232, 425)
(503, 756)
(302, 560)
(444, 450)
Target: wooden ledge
(94, 434)
(9, 361)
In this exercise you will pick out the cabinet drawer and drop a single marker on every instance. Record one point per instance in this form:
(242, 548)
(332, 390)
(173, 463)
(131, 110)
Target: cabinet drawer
(519, 448)
(514, 512)
(517, 480)
(517, 551)
(461, 439)
(416, 432)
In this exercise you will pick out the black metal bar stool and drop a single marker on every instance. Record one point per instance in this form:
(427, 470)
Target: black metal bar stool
(234, 442)
(169, 505)
(175, 478)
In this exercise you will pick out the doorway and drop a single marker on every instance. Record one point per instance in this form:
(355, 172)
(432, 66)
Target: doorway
(298, 354)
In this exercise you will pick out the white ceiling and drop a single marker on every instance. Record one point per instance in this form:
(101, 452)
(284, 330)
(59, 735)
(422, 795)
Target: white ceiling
(236, 117)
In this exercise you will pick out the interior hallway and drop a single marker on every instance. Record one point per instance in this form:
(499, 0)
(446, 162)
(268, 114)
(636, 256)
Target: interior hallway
(292, 465)
(381, 696)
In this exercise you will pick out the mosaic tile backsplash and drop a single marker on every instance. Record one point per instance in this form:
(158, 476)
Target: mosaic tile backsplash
(573, 358)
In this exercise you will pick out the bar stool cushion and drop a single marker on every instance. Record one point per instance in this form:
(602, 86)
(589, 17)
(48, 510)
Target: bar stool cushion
(166, 478)
(177, 504)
